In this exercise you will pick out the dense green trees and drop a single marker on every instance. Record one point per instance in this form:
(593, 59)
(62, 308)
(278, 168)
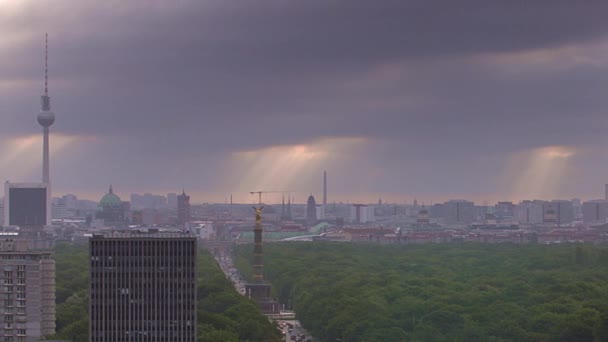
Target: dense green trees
(223, 314)
(451, 292)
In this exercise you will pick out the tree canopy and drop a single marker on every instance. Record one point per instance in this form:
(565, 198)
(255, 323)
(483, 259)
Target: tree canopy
(441, 292)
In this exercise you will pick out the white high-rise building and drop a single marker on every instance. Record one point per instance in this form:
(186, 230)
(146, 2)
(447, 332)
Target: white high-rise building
(529, 212)
(362, 213)
(320, 212)
(459, 212)
(564, 211)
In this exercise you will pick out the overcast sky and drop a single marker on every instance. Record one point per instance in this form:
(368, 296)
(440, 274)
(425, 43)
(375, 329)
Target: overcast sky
(482, 100)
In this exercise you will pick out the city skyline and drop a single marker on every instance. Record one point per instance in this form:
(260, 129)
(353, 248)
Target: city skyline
(398, 111)
(301, 198)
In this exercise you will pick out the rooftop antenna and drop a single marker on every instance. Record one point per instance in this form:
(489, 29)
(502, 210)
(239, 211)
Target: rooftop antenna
(46, 100)
(46, 64)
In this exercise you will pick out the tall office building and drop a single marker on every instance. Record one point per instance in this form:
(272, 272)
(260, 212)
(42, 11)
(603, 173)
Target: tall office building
(28, 291)
(595, 211)
(183, 208)
(564, 211)
(1, 211)
(459, 212)
(142, 286)
(320, 212)
(172, 200)
(361, 213)
(530, 212)
(26, 206)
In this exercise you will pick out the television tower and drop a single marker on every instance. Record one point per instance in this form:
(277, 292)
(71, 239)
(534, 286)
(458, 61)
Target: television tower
(46, 119)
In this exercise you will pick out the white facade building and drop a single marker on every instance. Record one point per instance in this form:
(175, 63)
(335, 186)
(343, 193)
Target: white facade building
(529, 212)
(361, 213)
(320, 212)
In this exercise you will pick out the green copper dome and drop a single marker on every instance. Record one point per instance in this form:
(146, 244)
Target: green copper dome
(110, 200)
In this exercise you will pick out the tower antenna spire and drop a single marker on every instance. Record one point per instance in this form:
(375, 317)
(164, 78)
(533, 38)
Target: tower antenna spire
(46, 64)
(45, 99)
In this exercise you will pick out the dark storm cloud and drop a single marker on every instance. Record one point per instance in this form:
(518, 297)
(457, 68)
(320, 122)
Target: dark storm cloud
(170, 83)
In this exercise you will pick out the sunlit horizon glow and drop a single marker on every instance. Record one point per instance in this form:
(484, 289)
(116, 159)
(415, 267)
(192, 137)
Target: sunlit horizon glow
(289, 167)
(537, 173)
(530, 174)
(21, 156)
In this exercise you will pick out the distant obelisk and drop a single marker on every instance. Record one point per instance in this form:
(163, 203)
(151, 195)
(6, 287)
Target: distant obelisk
(324, 189)
(46, 119)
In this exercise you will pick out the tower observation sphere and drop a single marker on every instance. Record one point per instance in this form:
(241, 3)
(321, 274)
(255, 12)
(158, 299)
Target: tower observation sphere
(46, 118)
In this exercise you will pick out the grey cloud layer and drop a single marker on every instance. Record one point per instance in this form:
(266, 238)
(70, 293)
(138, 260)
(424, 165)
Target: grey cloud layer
(202, 79)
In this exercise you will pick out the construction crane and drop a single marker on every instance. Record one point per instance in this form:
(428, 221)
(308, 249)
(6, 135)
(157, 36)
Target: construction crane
(268, 192)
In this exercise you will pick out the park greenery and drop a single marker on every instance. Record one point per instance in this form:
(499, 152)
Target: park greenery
(223, 315)
(441, 292)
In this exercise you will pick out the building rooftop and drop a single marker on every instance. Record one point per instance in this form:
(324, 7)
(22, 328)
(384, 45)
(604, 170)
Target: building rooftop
(143, 234)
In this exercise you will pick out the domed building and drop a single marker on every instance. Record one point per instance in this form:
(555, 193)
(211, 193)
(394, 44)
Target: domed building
(423, 218)
(311, 209)
(112, 210)
(550, 216)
